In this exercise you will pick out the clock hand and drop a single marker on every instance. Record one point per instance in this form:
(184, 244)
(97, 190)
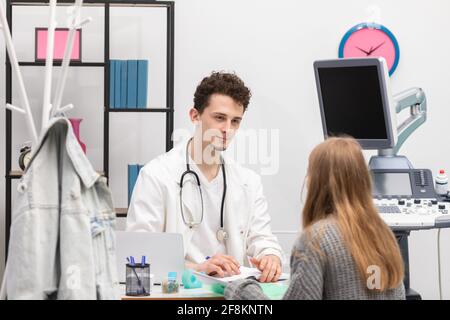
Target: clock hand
(372, 50)
(362, 50)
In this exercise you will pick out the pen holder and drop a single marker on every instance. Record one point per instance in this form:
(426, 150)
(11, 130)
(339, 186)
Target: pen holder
(138, 280)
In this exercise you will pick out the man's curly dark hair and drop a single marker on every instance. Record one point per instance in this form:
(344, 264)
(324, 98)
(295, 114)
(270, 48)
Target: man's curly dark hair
(224, 83)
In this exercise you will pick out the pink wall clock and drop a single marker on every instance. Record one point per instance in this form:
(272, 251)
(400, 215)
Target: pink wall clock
(371, 40)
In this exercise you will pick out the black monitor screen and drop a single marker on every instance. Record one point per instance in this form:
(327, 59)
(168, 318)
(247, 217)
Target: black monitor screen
(352, 102)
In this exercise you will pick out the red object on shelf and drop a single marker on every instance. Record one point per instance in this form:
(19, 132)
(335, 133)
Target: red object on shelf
(76, 129)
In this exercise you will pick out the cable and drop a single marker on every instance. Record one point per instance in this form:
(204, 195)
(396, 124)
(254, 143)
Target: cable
(439, 263)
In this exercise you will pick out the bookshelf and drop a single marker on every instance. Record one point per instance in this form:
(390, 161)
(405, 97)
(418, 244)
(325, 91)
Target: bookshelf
(11, 173)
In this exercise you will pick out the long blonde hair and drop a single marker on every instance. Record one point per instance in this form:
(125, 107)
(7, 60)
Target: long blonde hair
(339, 185)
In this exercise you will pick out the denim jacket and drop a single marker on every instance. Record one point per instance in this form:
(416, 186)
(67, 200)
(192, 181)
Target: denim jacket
(62, 239)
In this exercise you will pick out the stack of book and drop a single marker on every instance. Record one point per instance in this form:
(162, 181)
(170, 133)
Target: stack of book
(128, 84)
(133, 173)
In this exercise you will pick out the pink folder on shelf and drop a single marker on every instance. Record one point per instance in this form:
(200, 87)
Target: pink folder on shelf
(61, 35)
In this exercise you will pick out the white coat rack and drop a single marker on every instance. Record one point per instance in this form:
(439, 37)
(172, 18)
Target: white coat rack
(49, 110)
(26, 111)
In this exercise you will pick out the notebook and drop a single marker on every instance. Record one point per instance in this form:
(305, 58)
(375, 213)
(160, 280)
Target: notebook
(246, 273)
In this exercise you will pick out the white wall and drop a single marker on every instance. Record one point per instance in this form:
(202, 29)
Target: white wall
(272, 47)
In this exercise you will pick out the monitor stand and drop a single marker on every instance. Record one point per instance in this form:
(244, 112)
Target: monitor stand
(386, 159)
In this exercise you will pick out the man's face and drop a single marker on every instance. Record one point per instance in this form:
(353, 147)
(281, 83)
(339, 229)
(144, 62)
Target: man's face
(219, 120)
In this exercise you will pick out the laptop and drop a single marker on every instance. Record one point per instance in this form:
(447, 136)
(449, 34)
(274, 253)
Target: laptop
(164, 252)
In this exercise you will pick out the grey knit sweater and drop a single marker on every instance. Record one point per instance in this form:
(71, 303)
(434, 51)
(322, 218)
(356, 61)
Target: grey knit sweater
(330, 275)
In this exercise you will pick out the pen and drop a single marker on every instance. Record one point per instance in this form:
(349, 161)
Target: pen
(143, 261)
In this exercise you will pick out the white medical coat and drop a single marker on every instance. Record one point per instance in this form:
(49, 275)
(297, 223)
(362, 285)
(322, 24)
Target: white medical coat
(155, 207)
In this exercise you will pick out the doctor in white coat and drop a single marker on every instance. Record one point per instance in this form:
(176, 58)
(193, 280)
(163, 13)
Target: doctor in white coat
(195, 190)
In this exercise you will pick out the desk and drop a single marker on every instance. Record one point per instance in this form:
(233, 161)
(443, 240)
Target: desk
(183, 294)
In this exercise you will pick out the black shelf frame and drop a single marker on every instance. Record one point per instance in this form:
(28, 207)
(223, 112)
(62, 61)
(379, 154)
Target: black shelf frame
(58, 64)
(99, 3)
(161, 110)
(168, 110)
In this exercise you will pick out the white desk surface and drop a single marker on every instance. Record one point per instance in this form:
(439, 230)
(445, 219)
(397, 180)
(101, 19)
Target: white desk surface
(183, 294)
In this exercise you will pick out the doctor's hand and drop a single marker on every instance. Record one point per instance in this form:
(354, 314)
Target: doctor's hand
(220, 265)
(270, 266)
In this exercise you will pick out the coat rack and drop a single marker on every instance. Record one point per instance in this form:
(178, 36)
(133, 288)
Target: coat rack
(49, 109)
(26, 111)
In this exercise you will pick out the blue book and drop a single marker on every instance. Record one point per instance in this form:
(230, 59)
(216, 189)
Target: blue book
(117, 82)
(142, 84)
(132, 80)
(133, 174)
(132, 177)
(123, 84)
(112, 73)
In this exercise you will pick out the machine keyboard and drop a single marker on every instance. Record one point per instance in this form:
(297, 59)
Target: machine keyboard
(389, 209)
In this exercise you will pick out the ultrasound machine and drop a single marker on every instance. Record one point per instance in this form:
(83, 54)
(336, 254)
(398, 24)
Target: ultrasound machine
(355, 100)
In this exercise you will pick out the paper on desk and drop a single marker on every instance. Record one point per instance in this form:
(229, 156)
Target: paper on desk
(246, 273)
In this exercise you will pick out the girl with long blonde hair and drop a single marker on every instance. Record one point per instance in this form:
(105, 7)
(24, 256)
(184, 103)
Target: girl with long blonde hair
(345, 251)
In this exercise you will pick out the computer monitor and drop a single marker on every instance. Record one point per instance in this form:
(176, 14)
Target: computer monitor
(355, 100)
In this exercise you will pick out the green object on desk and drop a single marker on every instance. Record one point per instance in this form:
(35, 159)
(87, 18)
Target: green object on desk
(218, 288)
(275, 291)
(190, 281)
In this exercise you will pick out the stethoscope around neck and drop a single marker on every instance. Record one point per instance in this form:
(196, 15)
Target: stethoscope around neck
(221, 234)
